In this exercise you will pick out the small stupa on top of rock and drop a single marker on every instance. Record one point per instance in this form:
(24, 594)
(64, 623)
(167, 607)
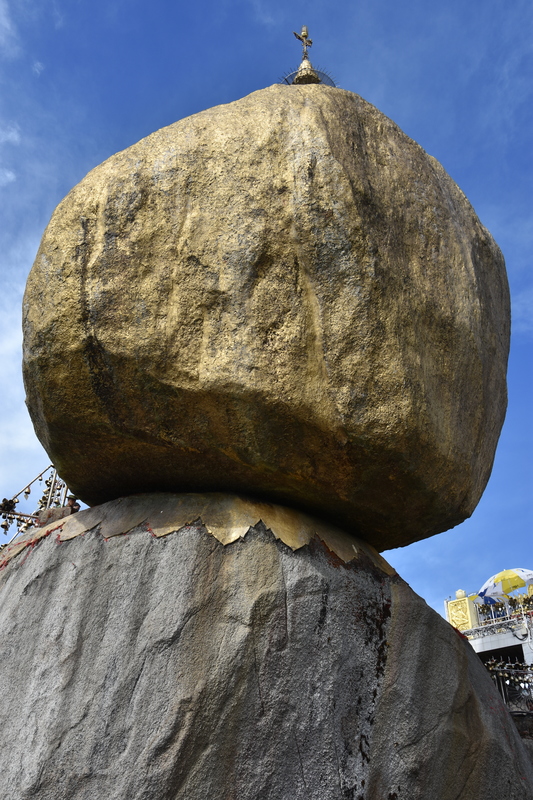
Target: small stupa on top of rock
(306, 73)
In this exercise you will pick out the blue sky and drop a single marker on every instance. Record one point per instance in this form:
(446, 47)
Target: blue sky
(80, 81)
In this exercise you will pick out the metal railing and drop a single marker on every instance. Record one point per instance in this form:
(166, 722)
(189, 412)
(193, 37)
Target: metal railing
(515, 684)
(511, 623)
(54, 494)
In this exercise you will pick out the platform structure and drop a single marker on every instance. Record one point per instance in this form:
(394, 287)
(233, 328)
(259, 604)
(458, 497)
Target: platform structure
(502, 636)
(501, 631)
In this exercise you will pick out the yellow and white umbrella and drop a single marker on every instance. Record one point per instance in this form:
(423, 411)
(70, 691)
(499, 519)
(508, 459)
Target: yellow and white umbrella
(506, 582)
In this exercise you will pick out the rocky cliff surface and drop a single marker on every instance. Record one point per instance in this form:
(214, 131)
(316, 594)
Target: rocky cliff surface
(172, 666)
(284, 296)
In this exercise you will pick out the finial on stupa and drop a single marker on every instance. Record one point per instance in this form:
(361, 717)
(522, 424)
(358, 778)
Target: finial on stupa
(306, 72)
(305, 40)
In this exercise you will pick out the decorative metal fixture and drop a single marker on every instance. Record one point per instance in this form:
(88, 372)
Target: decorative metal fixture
(54, 496)
(305, 40)
(520, 625)
(515, 684)
(306, 73)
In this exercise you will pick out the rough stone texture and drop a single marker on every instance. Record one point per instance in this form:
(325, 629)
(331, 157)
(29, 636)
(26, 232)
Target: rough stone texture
(284, 296)
(524, 726)
(177, 668)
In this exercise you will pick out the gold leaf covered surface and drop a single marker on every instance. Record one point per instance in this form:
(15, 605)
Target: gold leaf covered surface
(284, 296)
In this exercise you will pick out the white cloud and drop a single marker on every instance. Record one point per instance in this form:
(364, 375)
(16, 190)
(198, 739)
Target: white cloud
(11, 336)
(15, 264)
(59, 18)
(504, 54)
(6, 176)
(21, 452)
(8, 33)
(37, 67)
(9, 133)
(262, 13)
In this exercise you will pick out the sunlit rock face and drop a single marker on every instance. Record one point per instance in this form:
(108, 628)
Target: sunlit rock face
(284, 296)
(151, 660)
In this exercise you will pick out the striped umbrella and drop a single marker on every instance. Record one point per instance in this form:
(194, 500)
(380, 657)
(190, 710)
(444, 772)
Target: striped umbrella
(506, 582)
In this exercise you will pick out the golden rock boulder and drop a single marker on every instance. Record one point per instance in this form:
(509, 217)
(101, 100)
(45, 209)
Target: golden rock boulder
(284, 296)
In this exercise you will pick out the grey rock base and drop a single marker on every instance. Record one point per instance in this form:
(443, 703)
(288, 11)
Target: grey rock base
(179, 669)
